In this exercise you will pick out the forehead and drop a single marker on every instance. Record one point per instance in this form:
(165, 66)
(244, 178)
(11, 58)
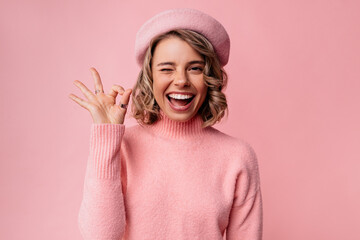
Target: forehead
(175, 49)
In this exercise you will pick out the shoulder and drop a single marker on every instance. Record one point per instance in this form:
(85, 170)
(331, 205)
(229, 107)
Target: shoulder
(132, 130)
(243, 162)
(134, 133)
(240, 150)
(237, 144)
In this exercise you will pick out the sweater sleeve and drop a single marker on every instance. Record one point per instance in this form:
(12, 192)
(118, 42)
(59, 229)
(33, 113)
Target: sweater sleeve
(102, 210)
(246, 215)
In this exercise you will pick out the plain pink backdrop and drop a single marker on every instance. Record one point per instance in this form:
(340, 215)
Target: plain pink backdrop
(293, 93)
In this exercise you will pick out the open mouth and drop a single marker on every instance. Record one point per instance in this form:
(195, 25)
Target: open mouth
(180, 102)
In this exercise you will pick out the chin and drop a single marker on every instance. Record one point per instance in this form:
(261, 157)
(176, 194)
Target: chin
(181, 117)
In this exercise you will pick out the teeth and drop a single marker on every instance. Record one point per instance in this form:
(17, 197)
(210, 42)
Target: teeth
(180, 96)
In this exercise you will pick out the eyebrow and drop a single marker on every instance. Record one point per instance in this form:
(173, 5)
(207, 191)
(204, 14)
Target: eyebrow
(172, 63)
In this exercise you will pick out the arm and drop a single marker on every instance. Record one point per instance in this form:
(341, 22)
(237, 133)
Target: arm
(246, 216)
(102, 210)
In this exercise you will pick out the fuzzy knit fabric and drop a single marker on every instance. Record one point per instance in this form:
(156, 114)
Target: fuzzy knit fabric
(183, 18)
(171, 180)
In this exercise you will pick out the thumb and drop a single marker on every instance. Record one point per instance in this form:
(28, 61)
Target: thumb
(125, 97)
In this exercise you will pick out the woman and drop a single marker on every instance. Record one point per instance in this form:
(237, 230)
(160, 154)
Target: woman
(173, 176)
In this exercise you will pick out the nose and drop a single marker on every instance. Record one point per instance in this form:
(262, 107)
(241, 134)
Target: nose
(181, 79)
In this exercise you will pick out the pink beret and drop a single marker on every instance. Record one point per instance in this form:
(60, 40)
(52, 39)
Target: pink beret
(183, 18)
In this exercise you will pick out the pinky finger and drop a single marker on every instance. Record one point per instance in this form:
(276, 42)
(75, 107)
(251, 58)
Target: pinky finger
(81, 102)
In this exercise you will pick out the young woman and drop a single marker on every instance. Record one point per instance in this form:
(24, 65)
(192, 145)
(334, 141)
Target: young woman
(172, 176)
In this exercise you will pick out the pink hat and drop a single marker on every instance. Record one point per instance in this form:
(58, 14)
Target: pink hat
(183, 18)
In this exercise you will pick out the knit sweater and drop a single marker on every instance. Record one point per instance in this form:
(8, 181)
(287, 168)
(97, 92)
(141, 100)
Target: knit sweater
(170, 180)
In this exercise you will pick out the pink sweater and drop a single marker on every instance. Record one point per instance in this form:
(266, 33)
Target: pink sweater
(172, 181)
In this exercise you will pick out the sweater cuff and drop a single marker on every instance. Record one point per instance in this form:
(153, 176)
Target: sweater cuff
(105, 143)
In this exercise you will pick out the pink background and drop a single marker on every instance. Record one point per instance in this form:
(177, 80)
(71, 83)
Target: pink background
(293, 93)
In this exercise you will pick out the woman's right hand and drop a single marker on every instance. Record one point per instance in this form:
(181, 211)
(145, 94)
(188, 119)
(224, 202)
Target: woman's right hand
(101, 106)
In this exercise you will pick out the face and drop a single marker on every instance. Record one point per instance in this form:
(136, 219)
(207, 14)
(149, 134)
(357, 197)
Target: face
(178, 83)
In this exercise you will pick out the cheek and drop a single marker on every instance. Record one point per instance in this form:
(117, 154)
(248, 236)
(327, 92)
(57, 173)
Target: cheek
(202, 89)
(157, 91)
(159, 87)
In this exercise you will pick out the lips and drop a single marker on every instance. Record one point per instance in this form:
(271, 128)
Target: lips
(180, 104)
(188, 100)
(181, 93)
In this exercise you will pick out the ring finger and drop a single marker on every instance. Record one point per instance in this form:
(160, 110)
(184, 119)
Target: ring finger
(88, 94)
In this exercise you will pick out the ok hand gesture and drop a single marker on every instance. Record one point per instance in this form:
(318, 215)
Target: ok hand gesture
(101, 106)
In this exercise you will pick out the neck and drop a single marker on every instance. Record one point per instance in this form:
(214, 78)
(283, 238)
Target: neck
(169, 128)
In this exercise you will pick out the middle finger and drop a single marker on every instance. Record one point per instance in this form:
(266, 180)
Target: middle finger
(97, 79)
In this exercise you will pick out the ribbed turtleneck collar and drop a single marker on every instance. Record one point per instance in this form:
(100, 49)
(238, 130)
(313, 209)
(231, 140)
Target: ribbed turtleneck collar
(169, 128)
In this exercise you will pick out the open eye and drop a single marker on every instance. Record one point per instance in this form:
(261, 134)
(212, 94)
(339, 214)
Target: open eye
(197, 68)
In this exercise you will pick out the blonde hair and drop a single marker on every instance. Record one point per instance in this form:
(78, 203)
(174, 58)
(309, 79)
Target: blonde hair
(144, 106)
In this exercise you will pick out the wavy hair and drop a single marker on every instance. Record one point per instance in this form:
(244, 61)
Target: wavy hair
(144, 106)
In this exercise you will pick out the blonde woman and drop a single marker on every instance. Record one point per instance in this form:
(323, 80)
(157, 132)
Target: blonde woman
(172, 176)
